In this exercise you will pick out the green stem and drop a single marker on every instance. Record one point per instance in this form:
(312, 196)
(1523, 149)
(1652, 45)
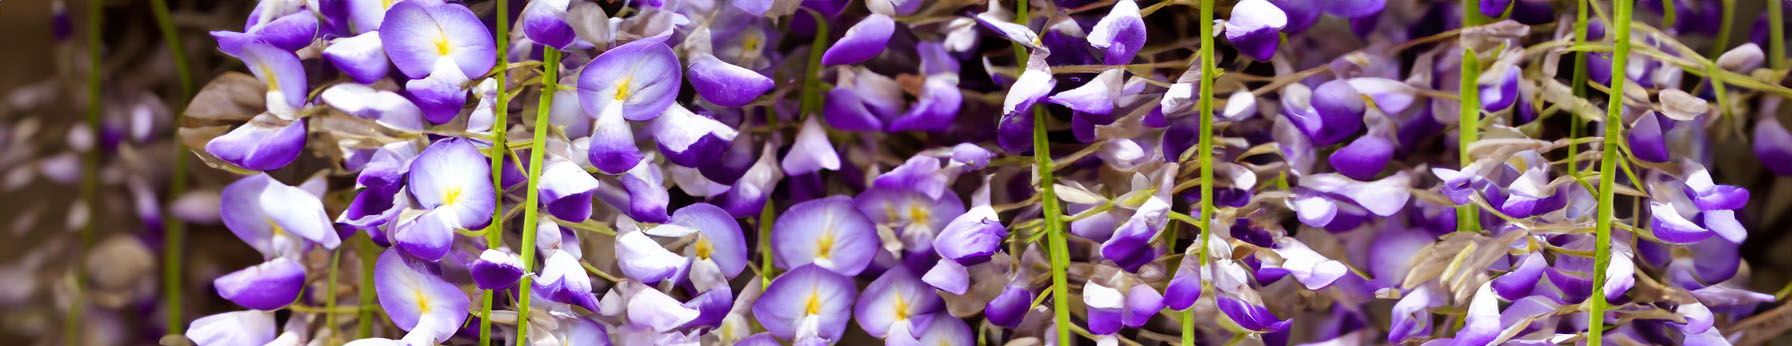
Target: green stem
(550, 70)
(1667, 13)
(765, 244)
(1576, 126)
(330, 294)
(369, 254)
(1608, 162)
(494, 234)
(1776, 35)
(89, 172)
(1054, 228)
(811, 97)
(1205, 150)
(1723, 31)
(173, 229)
(1467, 131)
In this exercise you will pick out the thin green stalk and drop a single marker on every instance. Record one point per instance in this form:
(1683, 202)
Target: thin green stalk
(1776, 35)
(1576, 126)
(765, 244)
(1054, 227)
(550, 70)
(811, 96)
(1723, 31)
(1608, 162)
(369, 254)
(330, 293)
(494, 234)
(1205, 150)
(1467, 131)
(90, 163)
(173, 229)
(1667, 13)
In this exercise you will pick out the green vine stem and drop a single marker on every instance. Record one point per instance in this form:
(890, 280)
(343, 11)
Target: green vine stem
(1468, 128)
(90, 163)
(1054, 228)
(494, 234)
(368, 252)
(550, 71)
(1576, 126)
(1205, 150)
(1608, 162)
(1776, 35)
(172, 228)
(330, 294)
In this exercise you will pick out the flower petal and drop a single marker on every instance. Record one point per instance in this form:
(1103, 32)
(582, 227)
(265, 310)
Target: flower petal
(828, 232)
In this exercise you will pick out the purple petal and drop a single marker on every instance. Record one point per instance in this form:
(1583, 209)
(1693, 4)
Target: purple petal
(1120, 34)
(1008, 308)
(248, 327)
(1519, 282)
(689, 139)
(429, 237)
(416, 34)
(845, 111)
(920, 172)
(566, 190)
(612, 149)
(385, 107)
(496, 270)
(1502, 94)
(1482, 325)
(1773, 146)
(1647, 139)
(948, 276)
(948, 331)
(361, 57)
(1669, 226)
(1185, 286)
(971, 237)
(1255, 28)
(280, 70)
(266, 286)
(453, 177)
(545, 22)
(416, 299)
(722, 236)
(1250, 316)
(939, 103)
(1104, 305)
(895, 297)
(1309, 267)
(1340, 112)
(655, 310)
(1095, 97)
(1411, 315)
(1142, 302)
(828, 232)
(726, 84)
(1363, 158)
(863, 41)
(807, 294)
(811, 152)
(1033, 84)
(641, 78)
(1355, 8)
(641, 258)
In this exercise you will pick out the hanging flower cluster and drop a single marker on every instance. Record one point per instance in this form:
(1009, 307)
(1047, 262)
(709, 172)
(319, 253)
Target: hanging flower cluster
(761, 172)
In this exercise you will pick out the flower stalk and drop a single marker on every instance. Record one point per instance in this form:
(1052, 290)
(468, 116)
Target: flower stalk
(1054, 227)
(550, 71)
(494, 233)
(173, 229)
(89, 172)
(1576, 127)
(1205, 150)
(1468, 127)
(1608, 162)
(1776, 35)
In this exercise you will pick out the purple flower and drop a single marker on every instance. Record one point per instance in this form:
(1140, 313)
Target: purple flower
(971, 237)
(281, 72)
(1105, 308)
(863, 41)
(897, 302)
(361, 57)
(1033, 84)
(641, 258)
(248, 327)
(265, 143)
(1120, 34)
(566, 190)
(636, 81)
(416, 298)
(385, 107)
(1095, 97)
(828, 232)
(1255, 28)
(726, 84)
(811, 152)
(267, 286)
(1773, 145)
(418, 35)
(274, 218)
(496, 270)
(544, 22)
(808, 303)
(289, 31)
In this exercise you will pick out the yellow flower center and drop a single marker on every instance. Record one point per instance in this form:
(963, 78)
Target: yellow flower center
(901, 308)
(442, 46)
(751, 44)
(824, 246)
(813, 306)
(422, 301)
(703, 248)
(387, 4)
(267, 73)
(622, 88)
(451, 195)
(277, 230)
(917, 215)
